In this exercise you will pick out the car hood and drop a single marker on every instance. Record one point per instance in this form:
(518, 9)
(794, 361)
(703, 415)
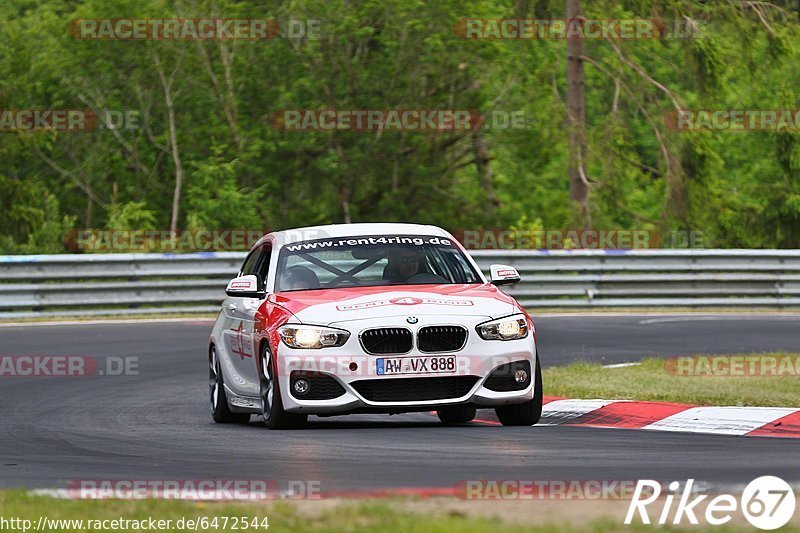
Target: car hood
(327, 306)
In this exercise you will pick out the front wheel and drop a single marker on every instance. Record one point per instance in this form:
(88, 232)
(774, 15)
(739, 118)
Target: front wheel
(528, 413)
(271, 402)
(220, 410)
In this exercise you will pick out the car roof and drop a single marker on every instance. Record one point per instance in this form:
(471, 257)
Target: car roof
(309, 233)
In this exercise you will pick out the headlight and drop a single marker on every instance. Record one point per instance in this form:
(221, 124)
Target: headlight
(312, 337)
(504, 329)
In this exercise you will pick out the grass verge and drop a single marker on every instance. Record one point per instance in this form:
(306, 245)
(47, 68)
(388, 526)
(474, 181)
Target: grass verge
(435, 515)
(658, 380)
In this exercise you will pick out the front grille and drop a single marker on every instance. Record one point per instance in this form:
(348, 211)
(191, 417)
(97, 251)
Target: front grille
(321, 387)
(414, 389)
(502, 378)
(386, 340)
(441, 338)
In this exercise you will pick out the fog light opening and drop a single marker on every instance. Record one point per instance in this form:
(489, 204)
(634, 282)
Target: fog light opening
(301, 386)
(520, 376)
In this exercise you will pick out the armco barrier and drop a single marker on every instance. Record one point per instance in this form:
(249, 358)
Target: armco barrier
(105, 284)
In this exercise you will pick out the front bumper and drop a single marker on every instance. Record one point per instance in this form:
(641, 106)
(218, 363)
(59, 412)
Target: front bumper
(351, 367)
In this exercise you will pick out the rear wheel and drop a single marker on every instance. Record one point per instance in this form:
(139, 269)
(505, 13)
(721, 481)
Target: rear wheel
(220, 410)
(271, 402)
(457, 414)
(528, 413)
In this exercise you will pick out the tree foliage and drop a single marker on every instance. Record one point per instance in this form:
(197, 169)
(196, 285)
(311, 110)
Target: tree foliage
(205, 116)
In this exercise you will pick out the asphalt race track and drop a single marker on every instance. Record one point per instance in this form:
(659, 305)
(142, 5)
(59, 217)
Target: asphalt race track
(156, 425)
(619, 339)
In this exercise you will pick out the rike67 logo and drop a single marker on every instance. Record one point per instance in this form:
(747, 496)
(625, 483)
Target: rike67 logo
(767, 503)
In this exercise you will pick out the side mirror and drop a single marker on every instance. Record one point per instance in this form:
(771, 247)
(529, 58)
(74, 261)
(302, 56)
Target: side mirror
(504, 275)
(244, 287)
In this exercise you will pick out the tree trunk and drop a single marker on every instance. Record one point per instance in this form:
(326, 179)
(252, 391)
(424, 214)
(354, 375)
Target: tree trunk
(576, 122)
(480, 150)
(89, 208)
(173, 141)
(345, 184)
(677, 201)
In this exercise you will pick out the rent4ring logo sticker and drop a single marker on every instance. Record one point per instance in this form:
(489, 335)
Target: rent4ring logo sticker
(767, 503)
(402, 301)
(240, 341)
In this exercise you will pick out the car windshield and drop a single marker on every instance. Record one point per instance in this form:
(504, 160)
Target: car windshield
(372, 261)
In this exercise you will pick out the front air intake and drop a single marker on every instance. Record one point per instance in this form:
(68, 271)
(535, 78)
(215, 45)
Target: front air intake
(384, 341)
(414, 389)
(433, 339)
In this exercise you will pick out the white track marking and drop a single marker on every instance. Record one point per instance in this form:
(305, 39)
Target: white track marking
(562, 411)
(52, 493)
(720, 420)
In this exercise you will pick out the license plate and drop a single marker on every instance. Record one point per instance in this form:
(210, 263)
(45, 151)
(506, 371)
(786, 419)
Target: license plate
(415, 365)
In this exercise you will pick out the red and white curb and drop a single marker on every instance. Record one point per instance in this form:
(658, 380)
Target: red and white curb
(675, 417)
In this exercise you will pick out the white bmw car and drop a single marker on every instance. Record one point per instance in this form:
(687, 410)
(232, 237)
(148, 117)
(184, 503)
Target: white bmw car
(371, 318)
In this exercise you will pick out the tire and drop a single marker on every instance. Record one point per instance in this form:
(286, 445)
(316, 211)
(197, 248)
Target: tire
(457, 414)
(220, 410)
(271, 402)
(528, 413)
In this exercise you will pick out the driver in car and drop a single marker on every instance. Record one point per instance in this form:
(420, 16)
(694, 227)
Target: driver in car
(300, 278)
(403, 264)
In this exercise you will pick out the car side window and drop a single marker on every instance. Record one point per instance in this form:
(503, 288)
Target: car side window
(257, 264)
(249, 265)
(262, 267)
(464, 273)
